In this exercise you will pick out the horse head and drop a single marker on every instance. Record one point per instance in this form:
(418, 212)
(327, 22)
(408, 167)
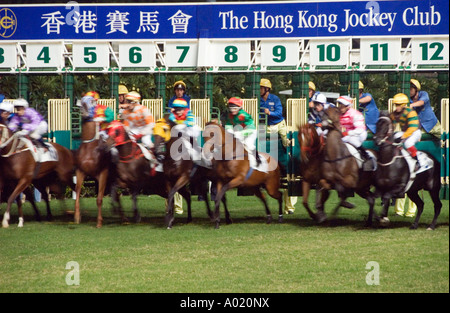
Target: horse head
(332, 118)
(311, 144)
(385, 129)
(117, 134)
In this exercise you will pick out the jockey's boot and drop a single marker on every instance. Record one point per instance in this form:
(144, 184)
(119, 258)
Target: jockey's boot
(258, 158)
(367, 166)
(40, 143)
(413, 152)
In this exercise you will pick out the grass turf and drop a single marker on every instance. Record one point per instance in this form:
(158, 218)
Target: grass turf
(247, 256)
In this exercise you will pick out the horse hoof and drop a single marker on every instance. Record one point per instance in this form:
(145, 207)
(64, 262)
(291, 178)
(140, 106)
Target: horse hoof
(430, 228)
(137, 219)
(217, 226)
(280, 219)
(169, 227)
(5, 225)
(269, 219)
(230, 221)
(413, 227)
(321, 218)
(384, 221)
(20, 225)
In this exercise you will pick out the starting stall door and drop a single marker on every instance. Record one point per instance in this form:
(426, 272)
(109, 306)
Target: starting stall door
(59, 122)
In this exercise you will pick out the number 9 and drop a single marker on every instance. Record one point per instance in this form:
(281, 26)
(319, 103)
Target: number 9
(279, 53)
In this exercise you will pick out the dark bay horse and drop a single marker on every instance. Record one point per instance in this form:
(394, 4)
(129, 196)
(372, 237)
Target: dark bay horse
(133, 169)
(19, 169)
(234, 172)
(340, 169)
(91, 159)
(311, 157)
(393, 174)
(180, 172)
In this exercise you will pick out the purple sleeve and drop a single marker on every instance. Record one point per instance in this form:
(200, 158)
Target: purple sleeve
(14, 123)
(34, 119)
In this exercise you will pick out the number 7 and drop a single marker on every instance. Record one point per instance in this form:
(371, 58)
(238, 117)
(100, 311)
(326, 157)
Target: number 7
(183, 54)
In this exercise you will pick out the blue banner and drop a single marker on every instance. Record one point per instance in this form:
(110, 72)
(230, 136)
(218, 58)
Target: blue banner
(219, 20)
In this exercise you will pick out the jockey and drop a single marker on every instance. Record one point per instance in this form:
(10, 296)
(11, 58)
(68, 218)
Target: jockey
(352, 122)
(246, 131)
(407, 119)
(28, 121)
(6, 112)
(320, 104)
(138, 120)
(99, 113)
(184, 122)
(179, 88)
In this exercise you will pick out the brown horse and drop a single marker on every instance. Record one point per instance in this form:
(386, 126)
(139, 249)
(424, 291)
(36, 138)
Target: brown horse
(91, 159)
(340, 169)
(179, 173)
(19, 168)
(133, 169)
(311, 158)
(232, 172)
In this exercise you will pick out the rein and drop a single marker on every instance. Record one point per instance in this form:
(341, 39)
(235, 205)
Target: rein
(15, 143)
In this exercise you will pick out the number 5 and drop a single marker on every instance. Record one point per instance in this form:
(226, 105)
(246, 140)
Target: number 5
(90, 55)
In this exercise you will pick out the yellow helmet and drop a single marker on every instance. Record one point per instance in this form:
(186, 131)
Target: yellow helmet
(311, 86)
(400, 99)
(415, 83)
(123, 90)
(179, 84)
(265, 83)
(360, 85)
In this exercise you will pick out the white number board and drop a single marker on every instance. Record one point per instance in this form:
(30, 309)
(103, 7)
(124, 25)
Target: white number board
(231, 53)
(181, 54)
(45, 55)
(329, 53)
(8, 55)
(429, 51)
(380, 51)
(141, 54)
(91, 55)
(279, 53)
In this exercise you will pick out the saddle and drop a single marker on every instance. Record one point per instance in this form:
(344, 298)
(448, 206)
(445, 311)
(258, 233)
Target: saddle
(424, 163)
(41, 151)
(367, 162)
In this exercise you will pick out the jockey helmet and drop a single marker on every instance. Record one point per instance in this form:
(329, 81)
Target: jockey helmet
(123, 90)
(311, 86)
(415, 83)
(265, 83)
(319, 98)
(400, 99)
(180, 103)
(345, 100)
(179, 85)
(89, 101)
(93, 94)
(236, 101)
(360, 85)
(21, 102)
(133, 97)
(7, 106)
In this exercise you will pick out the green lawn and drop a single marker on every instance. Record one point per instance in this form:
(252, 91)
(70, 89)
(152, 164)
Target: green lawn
(247, 256)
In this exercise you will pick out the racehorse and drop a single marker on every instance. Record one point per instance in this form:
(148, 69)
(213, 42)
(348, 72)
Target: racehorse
(393, 174)
(236, 172)
(91, 159)
(180, 172)
(133, 169)
(311, 158)
(19, 168)
(340, 169)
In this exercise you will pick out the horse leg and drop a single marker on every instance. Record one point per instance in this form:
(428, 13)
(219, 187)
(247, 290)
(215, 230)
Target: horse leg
(102, 179)
(184, 192)
(434, 193)
(179, 184)
(228, 219)
(137, 216)
(261, 196)
(414, 196)
(306, 188)
(23, 183)
(274, 192)
(322, 196)
(80, 179)
(218, 198)
(30, 198)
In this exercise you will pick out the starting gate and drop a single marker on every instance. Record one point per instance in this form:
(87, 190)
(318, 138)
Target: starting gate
(59, 122)
(201, 109)
(155, 106)
(445, 128)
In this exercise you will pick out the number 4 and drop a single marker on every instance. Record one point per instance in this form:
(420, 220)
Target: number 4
(44, 55)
